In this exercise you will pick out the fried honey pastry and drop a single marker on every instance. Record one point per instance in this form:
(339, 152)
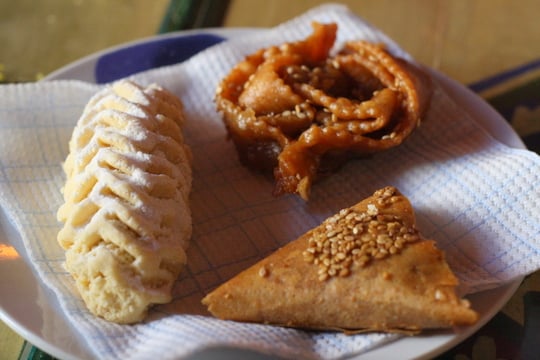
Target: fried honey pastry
(367, 268)
(301, 112)
(126, 215)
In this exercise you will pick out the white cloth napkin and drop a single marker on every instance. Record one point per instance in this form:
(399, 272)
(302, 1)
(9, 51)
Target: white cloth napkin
(476, 196)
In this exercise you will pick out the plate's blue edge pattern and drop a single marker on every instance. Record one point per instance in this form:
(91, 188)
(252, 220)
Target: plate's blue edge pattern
(149, 55)
(514, 95)
(492, 81)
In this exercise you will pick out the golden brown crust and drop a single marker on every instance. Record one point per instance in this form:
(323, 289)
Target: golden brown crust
(407, 291)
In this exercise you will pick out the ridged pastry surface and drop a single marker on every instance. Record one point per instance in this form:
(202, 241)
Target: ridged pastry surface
(126, 215)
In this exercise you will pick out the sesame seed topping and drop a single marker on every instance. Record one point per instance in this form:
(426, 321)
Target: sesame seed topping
(263, 272)
(354, 237)
(439, 295)
(372, 209)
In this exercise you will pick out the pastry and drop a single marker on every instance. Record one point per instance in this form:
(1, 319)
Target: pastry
(367, 268)
(300, 112)
(126, 215)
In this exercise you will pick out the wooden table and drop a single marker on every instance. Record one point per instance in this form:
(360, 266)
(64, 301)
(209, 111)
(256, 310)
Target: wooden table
(469, 40)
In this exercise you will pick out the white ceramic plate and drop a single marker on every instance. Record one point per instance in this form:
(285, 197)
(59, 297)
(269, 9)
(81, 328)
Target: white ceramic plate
(31, 309)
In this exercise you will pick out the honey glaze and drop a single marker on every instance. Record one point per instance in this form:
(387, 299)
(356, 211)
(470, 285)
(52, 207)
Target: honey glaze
(299, 112)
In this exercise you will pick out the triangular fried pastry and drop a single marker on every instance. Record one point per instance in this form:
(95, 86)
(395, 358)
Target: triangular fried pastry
(367, 268)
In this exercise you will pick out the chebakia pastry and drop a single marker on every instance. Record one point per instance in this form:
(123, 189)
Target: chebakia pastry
(126, 215)
(301, 112)
(367, 268)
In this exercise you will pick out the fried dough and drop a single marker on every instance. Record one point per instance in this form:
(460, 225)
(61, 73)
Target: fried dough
(300, 110)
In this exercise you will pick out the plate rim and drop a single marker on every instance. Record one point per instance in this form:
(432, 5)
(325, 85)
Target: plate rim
(503, 133)
(91, 59)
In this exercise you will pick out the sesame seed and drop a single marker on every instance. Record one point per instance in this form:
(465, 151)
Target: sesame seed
(439, 295)
(263, 272)
(372, 209)
(353, 237)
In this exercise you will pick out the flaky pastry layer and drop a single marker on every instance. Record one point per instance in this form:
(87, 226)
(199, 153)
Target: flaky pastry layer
(366, 268)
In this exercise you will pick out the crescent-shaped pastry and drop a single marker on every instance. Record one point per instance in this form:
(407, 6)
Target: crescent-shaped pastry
(301, 112)
(126, 215)
(365, 268)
